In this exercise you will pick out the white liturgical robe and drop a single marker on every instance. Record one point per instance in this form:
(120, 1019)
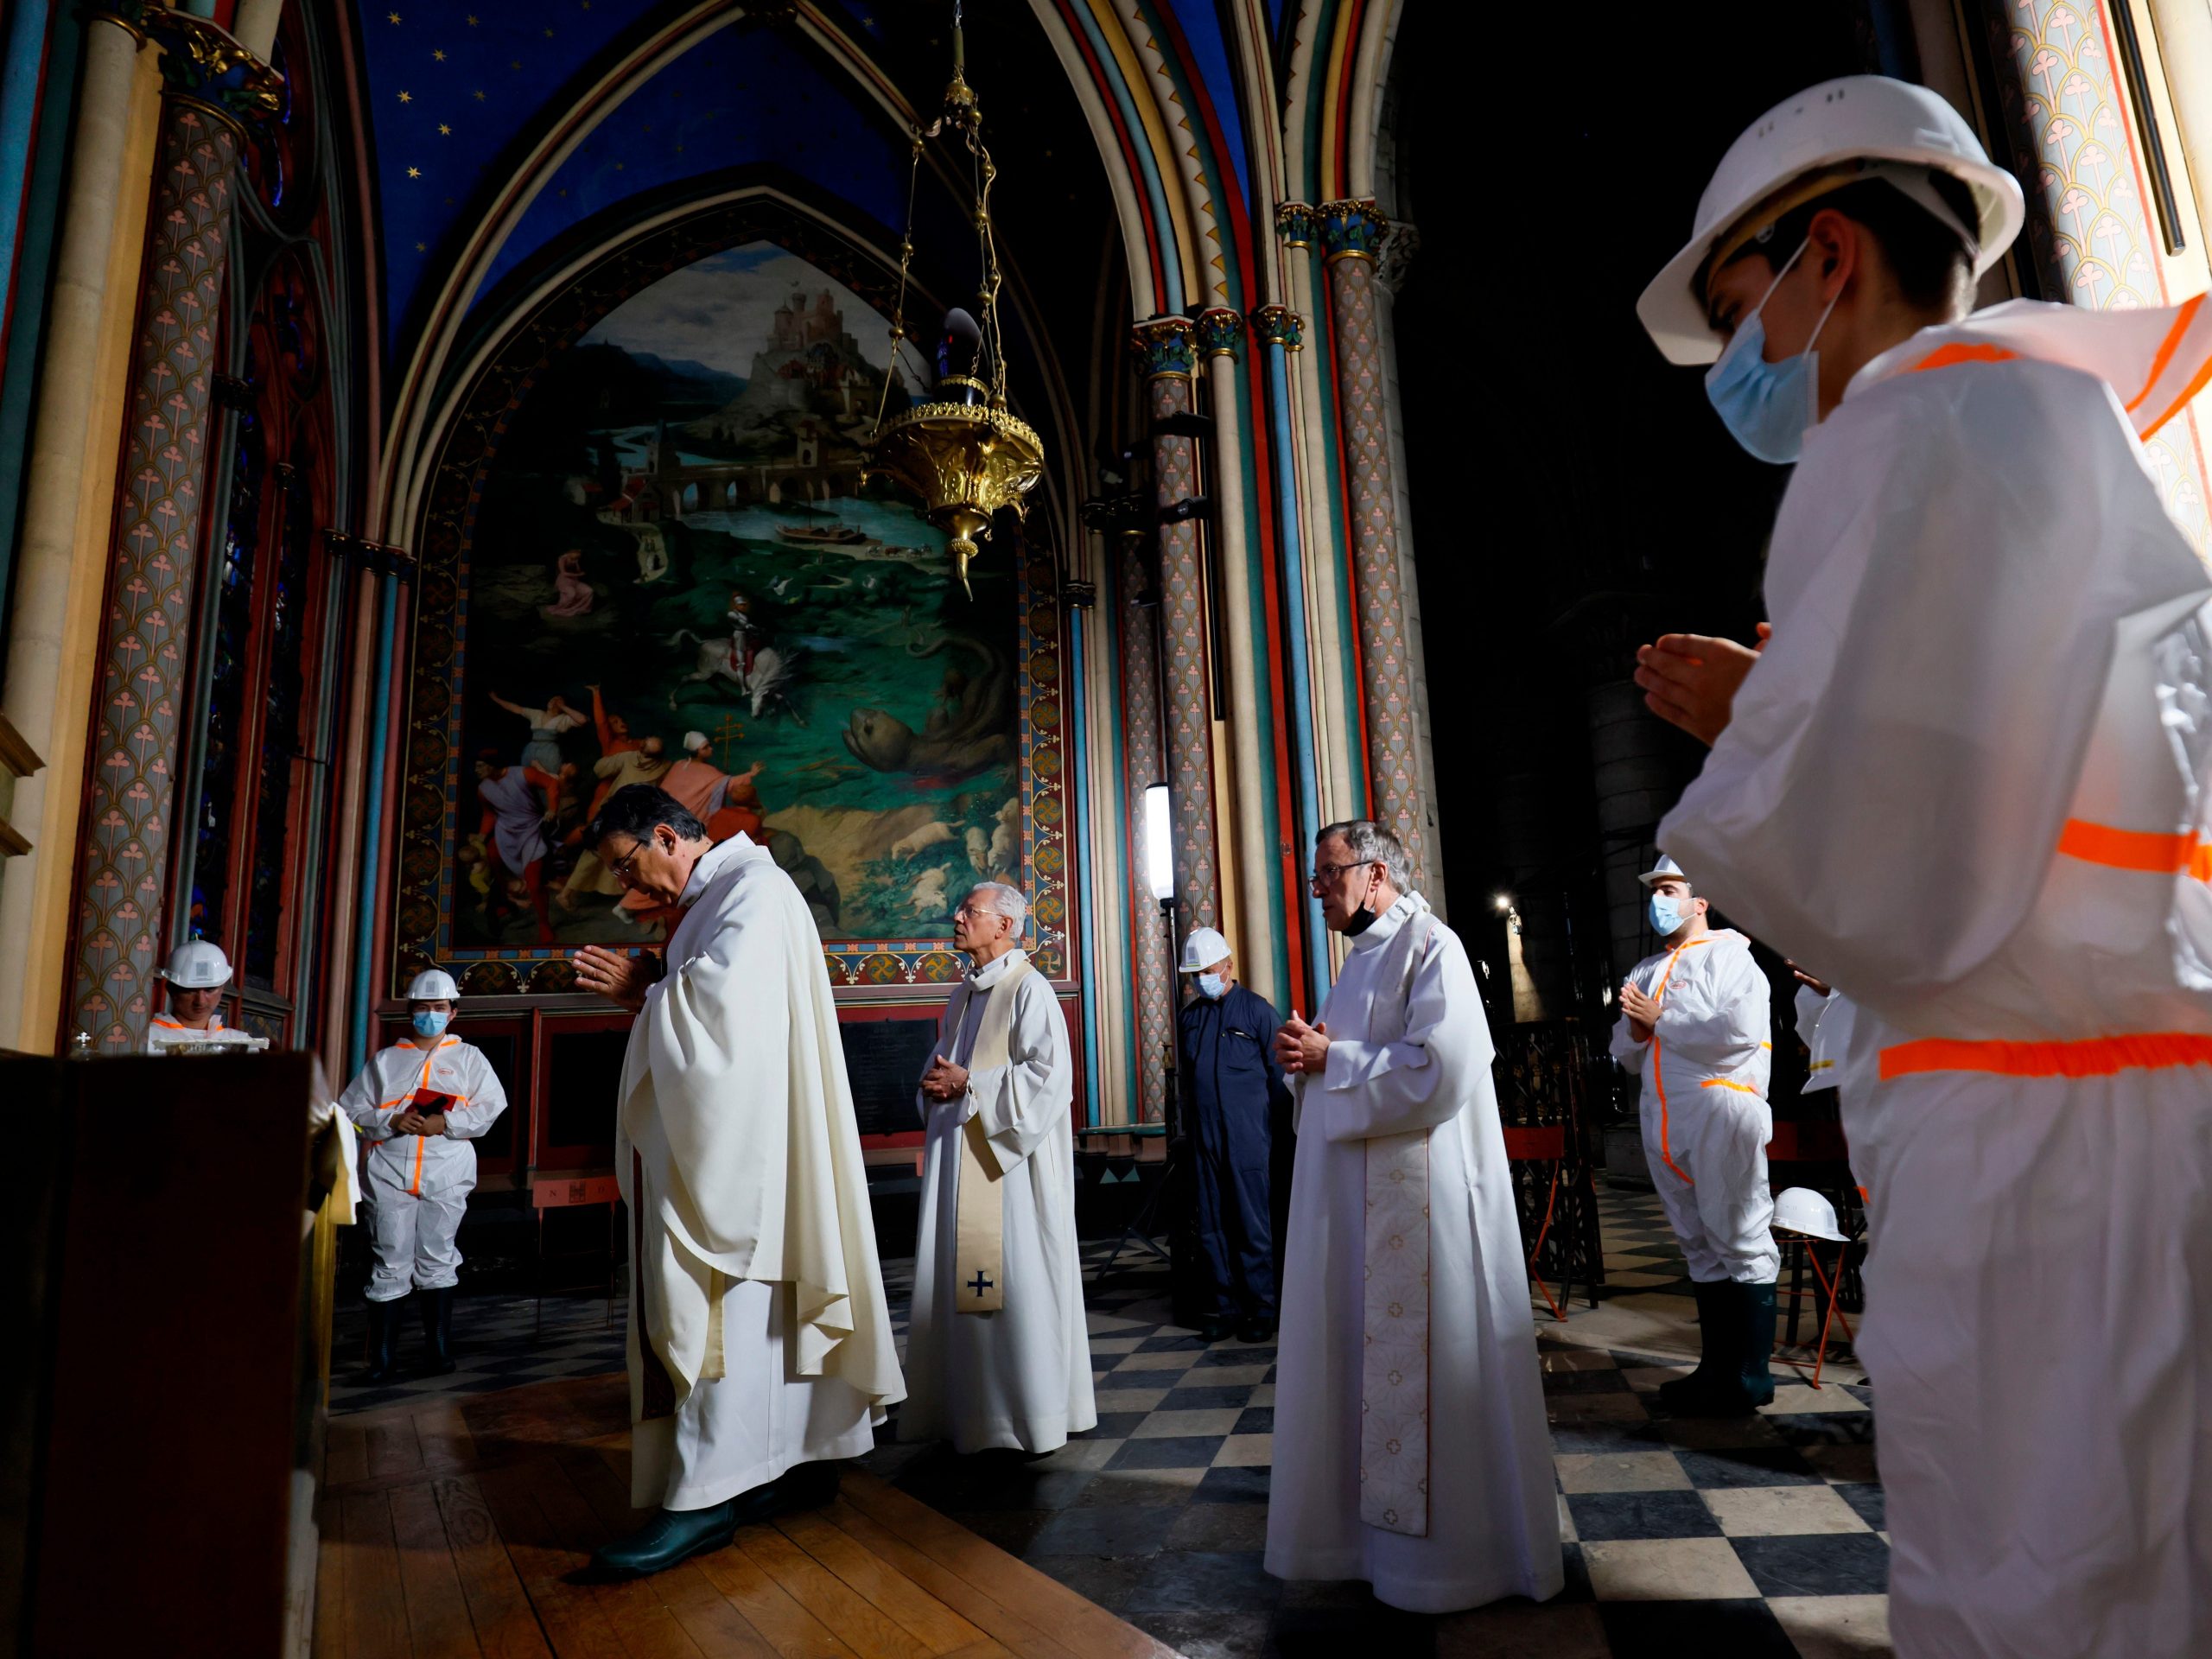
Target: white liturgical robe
(759, 1333)
(1492, 1525)
(1020, 1377)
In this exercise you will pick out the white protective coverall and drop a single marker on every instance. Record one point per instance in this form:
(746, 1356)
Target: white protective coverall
(1824, 1026)
(1019, 1377)
(1967, 777)
(1704, 1112)
(418, 1185)
(163, 1033)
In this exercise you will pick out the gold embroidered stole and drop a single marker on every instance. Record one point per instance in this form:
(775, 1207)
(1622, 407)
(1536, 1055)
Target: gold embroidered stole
(1393, 1355)
(979, 1220)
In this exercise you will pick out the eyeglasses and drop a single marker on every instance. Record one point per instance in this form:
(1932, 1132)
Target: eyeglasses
(622, 868)
(1329, 872)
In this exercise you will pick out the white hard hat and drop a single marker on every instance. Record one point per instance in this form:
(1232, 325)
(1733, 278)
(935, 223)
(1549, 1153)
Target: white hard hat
(1665, 870)
(1202, 950)
(197, 965)
(432, 985)
(1868, 119)
(1801, 1210)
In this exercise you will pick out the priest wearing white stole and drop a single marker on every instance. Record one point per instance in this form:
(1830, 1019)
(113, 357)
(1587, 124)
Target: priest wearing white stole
(759, 1339)
(998, 1351)
(1411, 1447)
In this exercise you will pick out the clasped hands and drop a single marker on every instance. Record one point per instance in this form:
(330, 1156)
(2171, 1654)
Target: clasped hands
(410, 1121)
(944, 1080)
(614, 974)
(1690, 680)
(1642, 1009)
(1300, 1048)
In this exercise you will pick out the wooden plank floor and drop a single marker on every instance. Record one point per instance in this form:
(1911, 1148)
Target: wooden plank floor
(453, 1528)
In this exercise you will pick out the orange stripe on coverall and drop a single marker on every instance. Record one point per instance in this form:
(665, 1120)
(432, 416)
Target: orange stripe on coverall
(2146, 851)
(2087, 1056)
(1658, 1068)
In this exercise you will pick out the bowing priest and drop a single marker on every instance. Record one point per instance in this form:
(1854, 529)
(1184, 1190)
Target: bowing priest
(759, 1339)
(1411, 1449)
(998, 1352)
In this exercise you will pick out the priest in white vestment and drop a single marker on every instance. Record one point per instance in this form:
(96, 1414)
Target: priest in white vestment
(759, 1339)
(998, 1352)
(1411, 1447)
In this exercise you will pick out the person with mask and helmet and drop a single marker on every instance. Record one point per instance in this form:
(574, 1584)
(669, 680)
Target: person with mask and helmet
(1237, 1098)
(419, 1103)
(1694, 1026)
(1967, 780)
(197, 973)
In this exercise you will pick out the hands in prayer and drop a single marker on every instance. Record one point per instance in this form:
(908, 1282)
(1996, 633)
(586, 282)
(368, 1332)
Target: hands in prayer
(944, 1080)
(1643, 1011)
(1690, 680)
(1300, 1048)
(614, 975)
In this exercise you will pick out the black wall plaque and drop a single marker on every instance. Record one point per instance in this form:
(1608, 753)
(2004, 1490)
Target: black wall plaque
(885, 1058)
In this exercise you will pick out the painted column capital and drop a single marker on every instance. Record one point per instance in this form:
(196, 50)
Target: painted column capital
(1352, 230)
(201, 63)
(1164, 343)
(1278, 325)
(1221, 331)
(1295, 223)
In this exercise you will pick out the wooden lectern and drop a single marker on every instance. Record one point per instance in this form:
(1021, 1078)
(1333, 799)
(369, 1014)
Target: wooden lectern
(165, 1414)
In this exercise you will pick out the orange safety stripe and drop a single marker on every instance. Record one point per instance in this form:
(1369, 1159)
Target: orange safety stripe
(2167, 348)
(1658, 1070)
(1728, 1082)
(2196, 381)
(2087, 1056)
(1944, 357)
(2146, 851)
(1822, 1065)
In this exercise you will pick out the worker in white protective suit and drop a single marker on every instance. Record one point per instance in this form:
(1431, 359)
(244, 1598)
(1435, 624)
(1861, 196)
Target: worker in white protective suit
(419, 1104)
(1989, 701)
(196, 975)
(1694, 1027)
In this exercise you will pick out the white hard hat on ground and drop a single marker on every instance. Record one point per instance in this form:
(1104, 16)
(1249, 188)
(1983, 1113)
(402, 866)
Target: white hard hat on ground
(1202, 950)
(1801, 1210)
(1891, 129)
(432, 985)
(1665, 870)
(197, 965)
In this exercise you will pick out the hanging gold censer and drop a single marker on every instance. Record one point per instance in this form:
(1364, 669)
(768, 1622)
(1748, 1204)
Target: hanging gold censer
(963, 451)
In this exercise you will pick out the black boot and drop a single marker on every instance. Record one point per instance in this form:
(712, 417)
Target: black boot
(1757, 1331)
(1716, 1355)
(437, 1330)
(383, 1342)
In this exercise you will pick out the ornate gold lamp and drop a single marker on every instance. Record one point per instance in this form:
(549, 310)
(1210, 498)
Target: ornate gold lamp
(962, 451)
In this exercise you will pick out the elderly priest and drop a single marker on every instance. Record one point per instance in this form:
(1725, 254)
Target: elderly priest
(1411, 1449)
(998, 1350)
(759, 1340)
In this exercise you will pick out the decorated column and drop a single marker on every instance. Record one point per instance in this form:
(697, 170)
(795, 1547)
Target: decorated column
(1166, 346)
(212, 87)
(1143, 766)
(1351, 234)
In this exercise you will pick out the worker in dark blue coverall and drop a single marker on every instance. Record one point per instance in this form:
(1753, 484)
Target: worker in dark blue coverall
(1239, 1103)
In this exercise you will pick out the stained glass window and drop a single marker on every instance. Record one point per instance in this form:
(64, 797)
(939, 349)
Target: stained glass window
(283, 691)
(226, 711)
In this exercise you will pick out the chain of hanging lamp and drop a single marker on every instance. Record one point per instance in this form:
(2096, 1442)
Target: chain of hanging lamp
(966, 462)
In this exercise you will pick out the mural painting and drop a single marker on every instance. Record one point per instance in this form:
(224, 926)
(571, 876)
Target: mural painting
(676, 575)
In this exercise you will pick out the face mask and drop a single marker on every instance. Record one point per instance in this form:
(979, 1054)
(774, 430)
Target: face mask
(1366, 916)
(1667, 914)
(430, 1024)
(1768, 407)
(1213, 987)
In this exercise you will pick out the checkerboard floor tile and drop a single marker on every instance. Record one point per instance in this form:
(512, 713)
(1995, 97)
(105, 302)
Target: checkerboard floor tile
(1754, 1537)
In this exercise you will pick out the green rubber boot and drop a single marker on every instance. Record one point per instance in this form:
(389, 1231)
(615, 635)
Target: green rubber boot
(1717, 1356)
(1757, 1331)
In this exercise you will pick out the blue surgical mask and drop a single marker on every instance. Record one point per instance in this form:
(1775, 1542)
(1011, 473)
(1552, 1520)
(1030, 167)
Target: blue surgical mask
(1768, 407)
(1213, 987)
(1667, 914)
(428, 1023)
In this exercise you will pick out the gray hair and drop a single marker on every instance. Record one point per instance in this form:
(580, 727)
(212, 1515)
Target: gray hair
(1007, 902)
(1368, 843)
